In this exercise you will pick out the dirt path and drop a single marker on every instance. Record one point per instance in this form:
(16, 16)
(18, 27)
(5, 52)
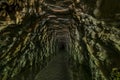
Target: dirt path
(57, 69)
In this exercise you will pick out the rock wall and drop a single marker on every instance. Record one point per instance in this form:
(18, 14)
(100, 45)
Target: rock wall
(25, 47)
(31, 30)
(97, 43)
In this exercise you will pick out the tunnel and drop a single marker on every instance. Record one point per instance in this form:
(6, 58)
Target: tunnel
(59, 40)
(62, 46)
(62, 43)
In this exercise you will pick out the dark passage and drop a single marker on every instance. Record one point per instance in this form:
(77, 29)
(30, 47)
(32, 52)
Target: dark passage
(57, 69)
(59, 39)
(62, 46)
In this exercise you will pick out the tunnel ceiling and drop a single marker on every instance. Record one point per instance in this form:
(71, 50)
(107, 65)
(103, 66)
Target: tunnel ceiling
(32, 30)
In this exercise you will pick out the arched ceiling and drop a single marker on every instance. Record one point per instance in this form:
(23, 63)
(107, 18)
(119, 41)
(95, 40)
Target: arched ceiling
(30, 31)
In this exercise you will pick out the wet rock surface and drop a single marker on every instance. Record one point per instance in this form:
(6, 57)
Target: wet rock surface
(32, 31)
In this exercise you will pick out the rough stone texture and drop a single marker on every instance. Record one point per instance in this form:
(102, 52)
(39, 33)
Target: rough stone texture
(24, 46)
(31, 32)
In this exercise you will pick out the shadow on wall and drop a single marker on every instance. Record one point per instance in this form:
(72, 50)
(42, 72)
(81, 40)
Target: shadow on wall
(107, 9)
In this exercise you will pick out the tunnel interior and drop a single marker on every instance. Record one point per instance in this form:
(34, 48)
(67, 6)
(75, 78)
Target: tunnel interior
(35, 32)
(62, 45)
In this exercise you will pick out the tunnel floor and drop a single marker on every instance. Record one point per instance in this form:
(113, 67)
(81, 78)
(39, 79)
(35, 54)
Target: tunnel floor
(57, 69)
(59, 40)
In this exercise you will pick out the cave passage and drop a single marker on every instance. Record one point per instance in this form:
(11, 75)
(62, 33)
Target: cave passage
(58, 67)
(62, 46)
(59, 39)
